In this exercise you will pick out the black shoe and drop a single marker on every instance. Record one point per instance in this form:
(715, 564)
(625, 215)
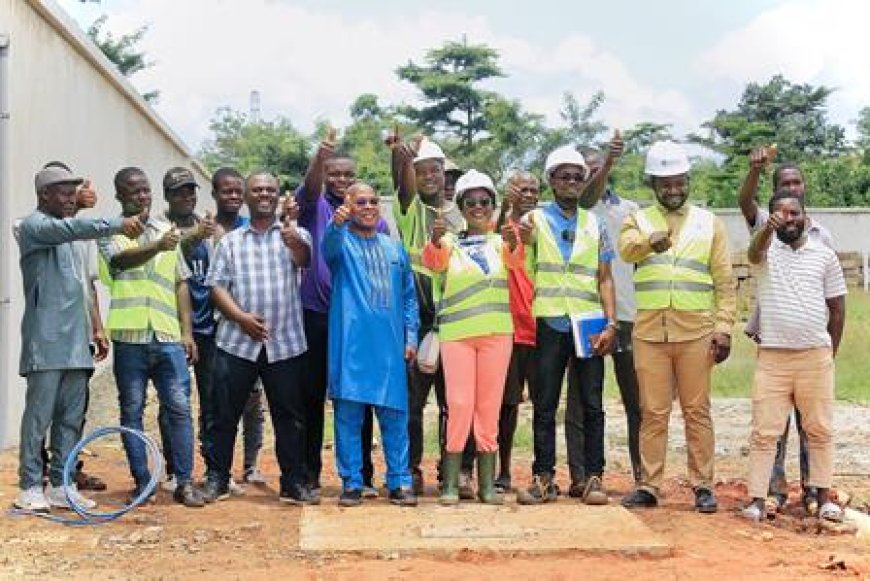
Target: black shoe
(417, 483)
(502, 484)
(212, 491)
(640, 498)
(296, 495)
(186, 494)
(577, 488)
(350, 497)
(402, 497)
(705, 500)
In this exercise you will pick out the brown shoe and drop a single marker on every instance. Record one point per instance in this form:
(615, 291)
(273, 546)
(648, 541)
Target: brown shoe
(85, 481)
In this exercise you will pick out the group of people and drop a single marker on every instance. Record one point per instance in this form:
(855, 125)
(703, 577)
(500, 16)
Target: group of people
(310, 297)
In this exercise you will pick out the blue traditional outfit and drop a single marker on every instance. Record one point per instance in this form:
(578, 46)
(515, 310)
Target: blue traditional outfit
(373, 317)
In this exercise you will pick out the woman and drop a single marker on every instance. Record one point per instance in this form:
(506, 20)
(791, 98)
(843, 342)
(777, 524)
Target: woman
(475, 328)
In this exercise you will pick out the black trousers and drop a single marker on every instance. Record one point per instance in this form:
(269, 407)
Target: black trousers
(316, 366)
(584, 416)
(626, 379)
(283, 381)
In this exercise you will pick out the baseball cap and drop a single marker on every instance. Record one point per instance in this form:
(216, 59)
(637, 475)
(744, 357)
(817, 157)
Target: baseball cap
(55, 175)
(178, 177)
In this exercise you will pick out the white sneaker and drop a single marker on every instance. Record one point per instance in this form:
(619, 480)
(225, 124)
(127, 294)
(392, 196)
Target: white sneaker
(254, 476)
(33, 499)
(170, 484)
(235, 489)
(56, 497)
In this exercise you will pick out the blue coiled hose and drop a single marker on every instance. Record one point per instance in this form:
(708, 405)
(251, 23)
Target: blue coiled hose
(93, 517)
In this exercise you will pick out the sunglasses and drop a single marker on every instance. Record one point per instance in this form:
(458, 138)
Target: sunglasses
(568, 177)
(363, 202)
(476, 203)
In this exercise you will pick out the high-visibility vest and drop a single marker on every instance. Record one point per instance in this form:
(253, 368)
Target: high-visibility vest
(144, 297)
(679, 278)
(566, 289)
(474, 303)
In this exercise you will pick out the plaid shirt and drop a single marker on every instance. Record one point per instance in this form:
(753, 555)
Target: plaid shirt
(257, 269)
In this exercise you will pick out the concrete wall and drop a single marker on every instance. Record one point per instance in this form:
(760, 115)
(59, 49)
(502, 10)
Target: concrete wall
(66, 103)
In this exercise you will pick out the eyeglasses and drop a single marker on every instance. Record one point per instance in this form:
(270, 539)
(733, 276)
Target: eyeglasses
(363, 202)
(568, 177)
(476, 203)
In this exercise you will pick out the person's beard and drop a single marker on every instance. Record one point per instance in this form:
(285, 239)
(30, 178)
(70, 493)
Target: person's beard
(789, 236)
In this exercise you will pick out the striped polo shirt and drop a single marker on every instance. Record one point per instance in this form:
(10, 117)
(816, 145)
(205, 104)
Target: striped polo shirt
(792, 288)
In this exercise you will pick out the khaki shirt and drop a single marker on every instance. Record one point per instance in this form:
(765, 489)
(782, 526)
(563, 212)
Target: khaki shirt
(669, 325)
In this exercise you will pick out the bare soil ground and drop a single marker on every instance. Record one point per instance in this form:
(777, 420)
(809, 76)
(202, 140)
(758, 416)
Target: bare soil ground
(254, 537)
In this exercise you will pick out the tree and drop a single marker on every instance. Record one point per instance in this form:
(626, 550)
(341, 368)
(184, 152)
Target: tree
(793, 116)
(122, 51)
(863, 127)
(639, 137)
(274, 145)
(448, 81)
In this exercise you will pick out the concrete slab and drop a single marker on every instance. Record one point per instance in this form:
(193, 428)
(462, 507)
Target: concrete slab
(430, 528)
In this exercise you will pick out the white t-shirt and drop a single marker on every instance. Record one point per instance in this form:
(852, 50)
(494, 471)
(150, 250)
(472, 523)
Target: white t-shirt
(793, 286)
(612, 210)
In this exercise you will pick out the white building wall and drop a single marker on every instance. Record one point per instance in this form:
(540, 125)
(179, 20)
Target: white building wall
(65, 103)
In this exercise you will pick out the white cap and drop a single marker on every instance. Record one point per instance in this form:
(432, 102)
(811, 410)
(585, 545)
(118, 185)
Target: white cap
(666, 158)
(565, 155)
(473, 179)
(429, 150)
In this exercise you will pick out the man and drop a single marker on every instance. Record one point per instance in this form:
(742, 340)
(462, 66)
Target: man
(802, 299)
(786, 176)
(228, 192)
(452, 172)
(56, 358)
(254, 282)
(568, 255)
(612, 210)
(686, 307)
(150, 325)
(420, 167)
(523, 190)
(326, 181)
(197, 247)
(373, 323)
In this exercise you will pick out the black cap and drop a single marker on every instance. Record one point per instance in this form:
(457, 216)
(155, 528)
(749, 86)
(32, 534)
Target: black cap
(178, 177)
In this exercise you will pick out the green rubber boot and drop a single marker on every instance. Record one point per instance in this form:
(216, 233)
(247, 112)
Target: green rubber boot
(486, 479)
(450, 478)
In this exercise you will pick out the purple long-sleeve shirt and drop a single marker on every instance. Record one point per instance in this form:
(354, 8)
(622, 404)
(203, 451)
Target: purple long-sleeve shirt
(315, 216)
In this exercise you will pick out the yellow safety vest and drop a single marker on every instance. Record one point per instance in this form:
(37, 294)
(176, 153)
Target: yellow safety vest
(679, 278)
(475, 304)
(144, 297)
(566, 289)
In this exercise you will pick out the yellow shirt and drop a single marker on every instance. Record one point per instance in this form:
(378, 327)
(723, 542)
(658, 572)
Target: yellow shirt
(669, 325)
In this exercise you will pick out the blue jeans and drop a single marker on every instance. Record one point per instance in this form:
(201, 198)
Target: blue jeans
(165, 364)
(348, 416)
(55, 399)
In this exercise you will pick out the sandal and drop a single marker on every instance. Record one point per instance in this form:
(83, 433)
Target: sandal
(831, 512)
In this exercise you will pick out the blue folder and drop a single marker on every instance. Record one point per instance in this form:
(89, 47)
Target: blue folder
(583, 328)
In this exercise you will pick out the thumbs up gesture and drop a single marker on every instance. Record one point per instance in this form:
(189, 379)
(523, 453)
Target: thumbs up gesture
(439, 227)
(327, 145)
(289, 233)
(170, 239)
(394, 139)
(289, 208)
(86, 196)
(527, 228)
(616, 146)
(206, 227)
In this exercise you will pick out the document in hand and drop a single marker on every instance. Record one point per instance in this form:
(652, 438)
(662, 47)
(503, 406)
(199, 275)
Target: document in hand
(583, 328)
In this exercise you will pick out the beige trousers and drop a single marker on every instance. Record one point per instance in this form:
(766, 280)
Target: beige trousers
(785, 379)
(661, 367)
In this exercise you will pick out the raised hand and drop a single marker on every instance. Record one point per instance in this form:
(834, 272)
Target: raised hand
(342, 215)
(509, 235)
(289, 233)
(132, 227)
(394, 139)
(759, 158)
(775, 222)
(330, 140)
(86, 196)
(660, 241)
(616, 146)
(171, 239)
(527, 229)
(290, 208)
(439, 228)
(206, 227)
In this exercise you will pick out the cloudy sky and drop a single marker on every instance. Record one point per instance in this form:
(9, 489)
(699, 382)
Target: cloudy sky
(668, 61)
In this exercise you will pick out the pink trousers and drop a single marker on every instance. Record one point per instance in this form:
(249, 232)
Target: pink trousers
(474, 374)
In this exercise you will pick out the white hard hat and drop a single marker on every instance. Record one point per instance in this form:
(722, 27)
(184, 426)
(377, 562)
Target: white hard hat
(565, 155)
(473, 179)
(666, 158)
(429, 150)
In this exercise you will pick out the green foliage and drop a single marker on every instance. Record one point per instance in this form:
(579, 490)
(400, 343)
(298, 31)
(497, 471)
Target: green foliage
(363, 140)
(272, 145)
(448, 81)
(779, 111)
(122, 51)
